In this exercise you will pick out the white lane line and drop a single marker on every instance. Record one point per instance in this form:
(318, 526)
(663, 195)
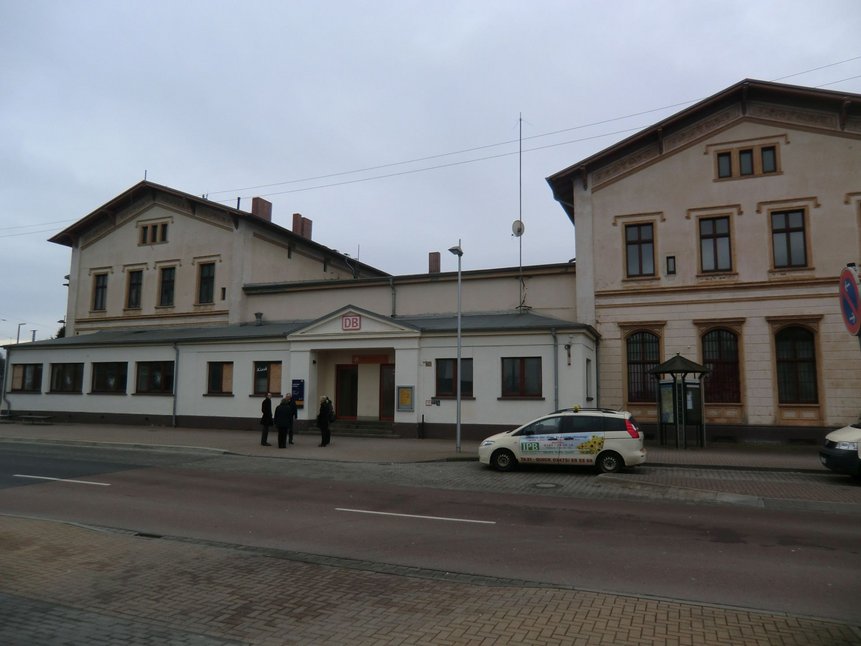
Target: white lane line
(385, 513)
(99, 484)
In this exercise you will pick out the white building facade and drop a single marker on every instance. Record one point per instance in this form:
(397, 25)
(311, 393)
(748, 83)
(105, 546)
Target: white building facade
(184, 312)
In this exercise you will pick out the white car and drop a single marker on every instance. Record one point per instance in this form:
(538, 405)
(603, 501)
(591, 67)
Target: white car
(599, 437)
(842, 450)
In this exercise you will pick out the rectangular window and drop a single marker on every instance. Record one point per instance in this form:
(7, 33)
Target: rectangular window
(100, 292)
(66, 377)
(715, 252)
(754, 161)
(155, 377)
(521, 377)
(110, 377)
(769, 159)
(219, 378)
(167, 284)
(206, 283)
(267, 377)
(446, 377)
(745, 162)
(788, 239)
(153, 233)
(133, 297)
(724, 163)
(640, 249)
(27, 378)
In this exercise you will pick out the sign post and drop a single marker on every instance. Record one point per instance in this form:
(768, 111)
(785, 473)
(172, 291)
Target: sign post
(850, 300)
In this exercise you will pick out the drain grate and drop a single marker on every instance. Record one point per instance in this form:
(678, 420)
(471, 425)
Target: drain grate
(546, 485)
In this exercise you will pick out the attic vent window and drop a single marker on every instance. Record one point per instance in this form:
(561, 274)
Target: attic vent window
(153, 233)
(748, 161)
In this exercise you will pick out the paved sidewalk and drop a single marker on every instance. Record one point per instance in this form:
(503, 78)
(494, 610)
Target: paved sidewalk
(65, 584)
(368, 449)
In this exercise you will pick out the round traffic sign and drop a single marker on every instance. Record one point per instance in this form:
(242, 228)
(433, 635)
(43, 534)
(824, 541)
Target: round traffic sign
(850, 301)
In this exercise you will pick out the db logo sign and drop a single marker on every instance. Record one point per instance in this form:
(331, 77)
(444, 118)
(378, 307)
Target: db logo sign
(351, 322)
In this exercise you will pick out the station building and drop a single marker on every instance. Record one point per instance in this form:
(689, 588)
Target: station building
(717, 234)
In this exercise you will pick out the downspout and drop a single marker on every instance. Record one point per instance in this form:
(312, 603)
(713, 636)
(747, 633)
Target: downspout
(597, 375)
(5, 373)
(555, 369)
(394, 296)
(175, 381)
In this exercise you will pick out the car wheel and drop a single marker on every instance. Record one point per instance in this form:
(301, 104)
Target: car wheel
(503, 460)
(610, 462)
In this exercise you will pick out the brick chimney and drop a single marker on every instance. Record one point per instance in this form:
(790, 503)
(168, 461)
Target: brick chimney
(433, 262)
(261, 208)
(302, 226)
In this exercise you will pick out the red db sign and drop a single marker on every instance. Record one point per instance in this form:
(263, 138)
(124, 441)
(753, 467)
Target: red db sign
(351, 322)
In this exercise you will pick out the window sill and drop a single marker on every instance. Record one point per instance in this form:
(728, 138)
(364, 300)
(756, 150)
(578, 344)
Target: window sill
(25, 392)
(112, 393)
(641, 279)
(539, 398)
(64, 392)
(152, 394)
(217, 395)
(453, 397)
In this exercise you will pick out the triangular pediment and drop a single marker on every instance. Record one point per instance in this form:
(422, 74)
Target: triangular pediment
(354, 322)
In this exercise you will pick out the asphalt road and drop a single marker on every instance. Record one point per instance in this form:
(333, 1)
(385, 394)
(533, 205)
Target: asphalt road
(459, 517)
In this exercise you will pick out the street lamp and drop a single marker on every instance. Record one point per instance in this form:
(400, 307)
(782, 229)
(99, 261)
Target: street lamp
(457, 251)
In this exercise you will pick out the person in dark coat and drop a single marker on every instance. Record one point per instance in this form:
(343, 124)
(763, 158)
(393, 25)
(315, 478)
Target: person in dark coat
(324, 418)
(266, 419)
(285, 413)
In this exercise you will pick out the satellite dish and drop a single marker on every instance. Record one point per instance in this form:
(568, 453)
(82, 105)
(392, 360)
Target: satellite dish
(517, 228)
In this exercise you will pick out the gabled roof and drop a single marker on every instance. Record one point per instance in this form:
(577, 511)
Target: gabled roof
(845, 104)
(146, 189)
(679, 365)
(500, 322)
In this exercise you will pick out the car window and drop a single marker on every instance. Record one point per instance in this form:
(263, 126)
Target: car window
(614, 424)
(545, 426)
(586, 424)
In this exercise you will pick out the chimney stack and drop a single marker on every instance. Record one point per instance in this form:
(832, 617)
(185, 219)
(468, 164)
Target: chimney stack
(261, 208)
(301, 226)
(433, 262)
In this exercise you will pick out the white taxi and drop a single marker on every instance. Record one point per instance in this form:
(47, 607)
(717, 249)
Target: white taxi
(607, 439)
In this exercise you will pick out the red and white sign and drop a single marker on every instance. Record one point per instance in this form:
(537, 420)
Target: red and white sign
(351, 322)
(850, 300)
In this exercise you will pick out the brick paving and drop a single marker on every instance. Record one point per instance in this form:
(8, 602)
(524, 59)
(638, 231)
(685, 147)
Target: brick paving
(67, 584)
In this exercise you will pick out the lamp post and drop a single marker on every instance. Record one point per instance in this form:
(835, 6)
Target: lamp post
(458, 251)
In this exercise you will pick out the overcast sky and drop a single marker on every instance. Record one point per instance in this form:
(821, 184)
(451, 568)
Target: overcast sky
(393, 125)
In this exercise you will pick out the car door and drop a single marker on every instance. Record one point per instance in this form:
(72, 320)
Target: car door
(582, 440)
(538, 442)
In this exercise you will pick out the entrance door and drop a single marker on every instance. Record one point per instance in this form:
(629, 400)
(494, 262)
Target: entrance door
(387, 392)
(346, 391)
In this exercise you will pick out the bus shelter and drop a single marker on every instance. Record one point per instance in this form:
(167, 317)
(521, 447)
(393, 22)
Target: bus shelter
(681, 419)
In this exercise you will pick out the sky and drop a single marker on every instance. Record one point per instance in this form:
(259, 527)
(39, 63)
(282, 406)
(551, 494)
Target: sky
(398, 127)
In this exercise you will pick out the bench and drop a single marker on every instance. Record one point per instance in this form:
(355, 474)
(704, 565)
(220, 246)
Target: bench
(35, 419)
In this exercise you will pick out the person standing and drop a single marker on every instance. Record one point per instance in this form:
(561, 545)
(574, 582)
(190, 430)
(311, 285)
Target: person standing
(324, 418)
(285, 413)
(266, 419)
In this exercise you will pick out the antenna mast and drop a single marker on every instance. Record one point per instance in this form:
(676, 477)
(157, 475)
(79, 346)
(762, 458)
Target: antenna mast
(520, 201)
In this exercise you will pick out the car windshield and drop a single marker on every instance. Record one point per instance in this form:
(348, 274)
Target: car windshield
(545, 426)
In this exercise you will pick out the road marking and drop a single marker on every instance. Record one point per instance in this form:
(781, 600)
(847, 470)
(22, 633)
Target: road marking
(100, 484)
(385, 513)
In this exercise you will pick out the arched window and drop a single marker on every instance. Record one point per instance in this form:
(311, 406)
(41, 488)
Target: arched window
(643, 349)
(720, 356)
(796, 366)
